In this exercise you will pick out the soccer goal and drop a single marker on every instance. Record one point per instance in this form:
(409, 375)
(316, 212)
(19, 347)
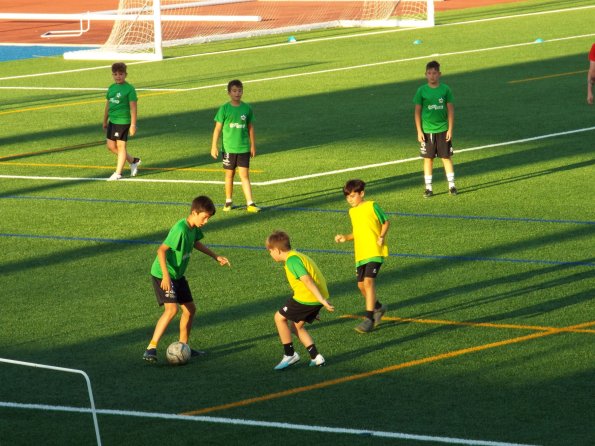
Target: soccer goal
(143, 27)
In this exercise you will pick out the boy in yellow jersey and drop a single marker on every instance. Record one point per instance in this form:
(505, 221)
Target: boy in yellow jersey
(310, 294)
(370, 226)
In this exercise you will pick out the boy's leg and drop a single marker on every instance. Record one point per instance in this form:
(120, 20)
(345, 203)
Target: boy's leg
(169, 312)
(229, 174)
(246, 186)
(368, 289)
(122, 156)
(289, 355)
(112, 146)
(428, 170)
(302, 334)
(188, 312)
(450, 175)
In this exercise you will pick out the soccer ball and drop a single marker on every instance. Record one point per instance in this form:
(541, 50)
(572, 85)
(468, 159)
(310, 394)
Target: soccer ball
(178, 353)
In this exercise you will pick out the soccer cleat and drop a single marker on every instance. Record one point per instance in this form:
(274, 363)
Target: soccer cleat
(378, 314)
(253, 208)
(366, 326)
(287, 361)
(228, 206)
(115, 176)
(428, 193)
(453, 191)
(196, 353)
(134, 167)
(150, 355)
(318, 361)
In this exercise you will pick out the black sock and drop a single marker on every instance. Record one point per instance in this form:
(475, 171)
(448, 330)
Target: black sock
(370, 314)
(289, 351)
(378, 305)
(135, 160)
(313, 351)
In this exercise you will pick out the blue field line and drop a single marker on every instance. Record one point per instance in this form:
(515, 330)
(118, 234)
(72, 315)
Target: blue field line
(306, 250)
(305, 209)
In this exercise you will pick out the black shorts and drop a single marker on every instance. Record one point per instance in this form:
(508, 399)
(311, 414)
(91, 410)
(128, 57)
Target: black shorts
(297, 312)
(369, 269)
(117, 132)
(233, 160)
(179, 293)
(436, 145)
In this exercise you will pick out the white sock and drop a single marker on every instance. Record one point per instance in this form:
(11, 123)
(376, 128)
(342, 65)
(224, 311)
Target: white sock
(428, 180)
(451, 179)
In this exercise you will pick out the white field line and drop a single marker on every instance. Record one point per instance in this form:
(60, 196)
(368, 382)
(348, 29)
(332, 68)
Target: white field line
(268, 424)
(289, 76)
(322, 39)
(303, 177)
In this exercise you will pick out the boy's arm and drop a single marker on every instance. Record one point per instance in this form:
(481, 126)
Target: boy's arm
(451, 120)
(205, 250)
(590, 81)
(417, 117)
(161, 255)
(252, 140)
(216, 133)
(342, 238)
(133, 111)
(309, 282)
(383, 231)
(106, 114)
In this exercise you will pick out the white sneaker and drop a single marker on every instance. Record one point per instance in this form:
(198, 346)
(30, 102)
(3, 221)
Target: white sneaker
(287, 361)
(318, 361)
(134, 168)
(115, 176)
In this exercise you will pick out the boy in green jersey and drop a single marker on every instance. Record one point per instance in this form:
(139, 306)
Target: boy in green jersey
(370, 226)
(310, 294)
(434, 120)
(167, 272)
(235, 120)
(119, 120)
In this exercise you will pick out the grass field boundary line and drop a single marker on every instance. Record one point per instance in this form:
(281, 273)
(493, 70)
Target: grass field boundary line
(404, 365)
(303, 209)
(474, 324)
(258, 423)
(308, 73)
(306, 250)
(309, 176)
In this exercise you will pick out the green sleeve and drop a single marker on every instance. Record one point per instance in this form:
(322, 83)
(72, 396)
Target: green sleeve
(379, 213)
(296, 266)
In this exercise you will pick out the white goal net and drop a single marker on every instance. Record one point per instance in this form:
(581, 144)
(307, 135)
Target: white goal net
(142, 27)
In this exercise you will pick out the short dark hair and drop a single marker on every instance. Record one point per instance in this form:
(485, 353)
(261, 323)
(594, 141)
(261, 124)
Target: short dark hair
(203, 204)
(279, 240)
(434, 65)
(119, 67)
(234, 83)
(353, 186)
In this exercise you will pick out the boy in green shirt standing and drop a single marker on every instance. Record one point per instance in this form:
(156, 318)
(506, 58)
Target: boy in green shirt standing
(119, 120)
(167, 272)
(434, 120)
(370, 226)
(310, 294)
(235, 120)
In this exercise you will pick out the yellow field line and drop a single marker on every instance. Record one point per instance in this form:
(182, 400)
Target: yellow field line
(82, 166)
(383, 370)
(546, 77)
(56, 149)
(472, 324)
(69, 104)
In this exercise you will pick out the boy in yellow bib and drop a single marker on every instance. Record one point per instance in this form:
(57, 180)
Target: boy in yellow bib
(310, 294)
(370, 226)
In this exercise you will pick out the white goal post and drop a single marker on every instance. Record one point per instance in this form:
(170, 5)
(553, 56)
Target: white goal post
(141, 28)
(63, 369)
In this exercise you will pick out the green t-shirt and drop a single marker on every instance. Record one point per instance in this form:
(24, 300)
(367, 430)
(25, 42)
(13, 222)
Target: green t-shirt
(120, 96)
(434, 114)
(180, 240)
(235, 121)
